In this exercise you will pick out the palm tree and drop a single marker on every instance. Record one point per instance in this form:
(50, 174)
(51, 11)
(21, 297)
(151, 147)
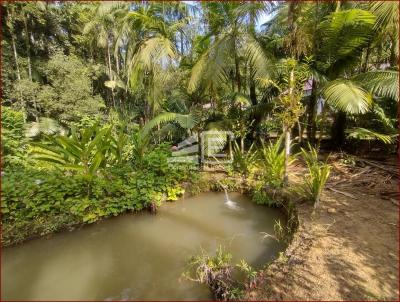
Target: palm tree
(150, 53)
(233, 44)
(103, 32)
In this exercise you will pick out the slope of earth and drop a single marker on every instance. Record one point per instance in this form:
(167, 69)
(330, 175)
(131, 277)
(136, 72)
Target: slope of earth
(348, 248)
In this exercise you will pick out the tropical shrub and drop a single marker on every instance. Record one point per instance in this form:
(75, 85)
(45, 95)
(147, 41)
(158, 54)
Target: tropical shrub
(13, 140)
(37, 202)
(262, 197)
(318, 174)
(85, 150)
(273, 163)
(244, 161)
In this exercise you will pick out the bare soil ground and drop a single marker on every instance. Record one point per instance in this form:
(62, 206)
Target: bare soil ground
(347, 249)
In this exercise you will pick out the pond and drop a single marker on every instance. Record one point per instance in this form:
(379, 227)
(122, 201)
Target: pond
(140, 256)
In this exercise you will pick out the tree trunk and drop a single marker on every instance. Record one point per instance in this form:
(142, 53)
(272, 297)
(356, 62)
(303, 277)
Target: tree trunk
(15, 57)
(17, 67)
(242, 143)
(338, 5)
(109, 61)
(28, 48)
(338, 130)
(398, 129)
(253, 95)
(181, 44)
(117, 61)
(299, 128)
(237, 71)
(200, 144)
(312, 114)
(394, 46)
(365, 65)
(287, 129)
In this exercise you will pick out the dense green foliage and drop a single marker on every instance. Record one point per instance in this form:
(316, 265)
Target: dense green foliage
(37, 202)
(92, 91)
(12, 136)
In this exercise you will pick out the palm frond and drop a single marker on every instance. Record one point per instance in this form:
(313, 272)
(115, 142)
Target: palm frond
(384, 83)
(386, 12)
(366, 134)
(186, 121)
(343, 34)
(345, 95)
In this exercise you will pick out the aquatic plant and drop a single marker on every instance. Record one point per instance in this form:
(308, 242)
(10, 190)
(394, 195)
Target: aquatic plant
(215, 271)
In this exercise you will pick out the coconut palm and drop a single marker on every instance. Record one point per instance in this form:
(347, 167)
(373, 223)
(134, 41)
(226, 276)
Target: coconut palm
(150, 53)
(233, 44)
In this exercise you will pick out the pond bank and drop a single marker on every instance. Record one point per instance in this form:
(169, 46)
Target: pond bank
(142, 256)
(347, 249)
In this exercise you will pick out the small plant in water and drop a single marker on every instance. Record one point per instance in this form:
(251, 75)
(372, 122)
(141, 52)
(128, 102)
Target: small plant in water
(214, 271)
(250, 274)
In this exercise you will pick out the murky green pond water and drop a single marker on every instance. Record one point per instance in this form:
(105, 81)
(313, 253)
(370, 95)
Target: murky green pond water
(139, 256)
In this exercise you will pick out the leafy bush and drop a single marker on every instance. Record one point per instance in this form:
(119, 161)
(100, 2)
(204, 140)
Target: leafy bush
(318, 174)
(12, 136)
(86, 150)
(273, 163)
(38, 202)
(243, 161)
(262, 197)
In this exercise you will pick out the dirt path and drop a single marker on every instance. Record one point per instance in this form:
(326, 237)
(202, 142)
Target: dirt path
(346, 250)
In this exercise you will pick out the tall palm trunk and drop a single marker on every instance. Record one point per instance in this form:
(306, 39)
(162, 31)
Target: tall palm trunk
(392, 59)
(108, 60)
(17, 70)
(338, 130)
(15, 53)
(116, 55)
(237, 70)
(237, 73)
(28, 53)
(10, 23)
(287, 130)
(28, 48)
(15, 56)
(312, 113)
(252, 84)
(253, 96)
(287, 155)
